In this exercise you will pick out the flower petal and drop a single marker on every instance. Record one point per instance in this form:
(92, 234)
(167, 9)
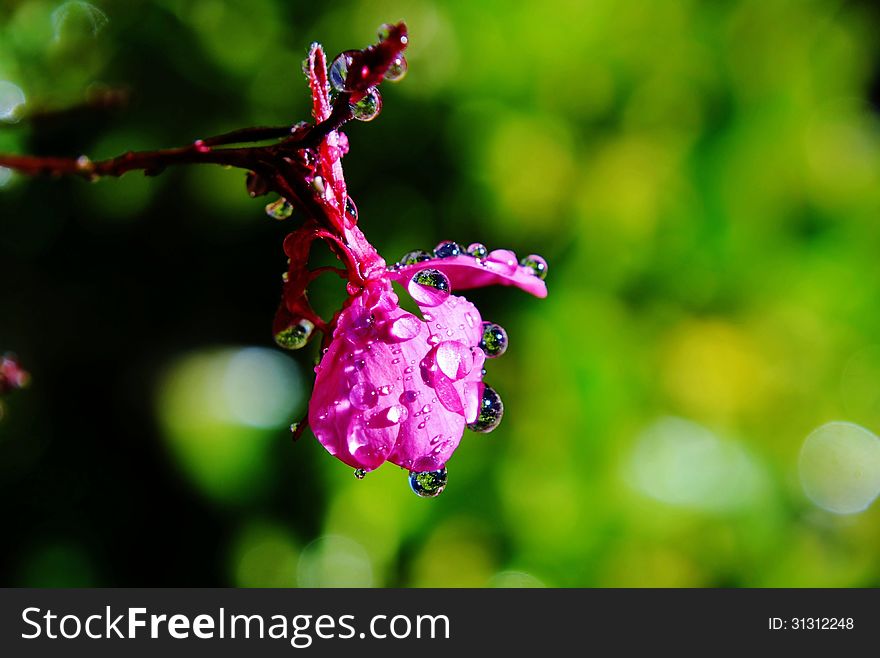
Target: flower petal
(499, 267)
(394, 386)
(443, 396)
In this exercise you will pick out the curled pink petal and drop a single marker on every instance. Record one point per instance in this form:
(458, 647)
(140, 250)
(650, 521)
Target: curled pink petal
(499, 267)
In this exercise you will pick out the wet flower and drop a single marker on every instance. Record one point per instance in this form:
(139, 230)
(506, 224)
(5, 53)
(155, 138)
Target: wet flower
(391, 385)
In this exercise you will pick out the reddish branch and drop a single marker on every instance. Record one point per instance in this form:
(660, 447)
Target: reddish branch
(287, 166)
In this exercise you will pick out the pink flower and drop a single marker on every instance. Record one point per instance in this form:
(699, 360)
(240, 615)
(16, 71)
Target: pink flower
(396, 387)
(390, 385)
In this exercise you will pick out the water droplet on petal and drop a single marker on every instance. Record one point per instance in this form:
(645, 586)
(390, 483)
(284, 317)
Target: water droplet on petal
(397, 70)
(405, 327)
(351, 209)
(477, 250)
(428, 484)
(363, 396)
(387, 417)
(384, 31)
(429, 287)
(490, 412)
(368, 107)
(413, 257)
(536, 264)
(448, 249)
(409, 397)
(504, 258)
(295, 336)
(494, 340)
(360, 473)
(384, 390)
(339, 70)
(280, 209)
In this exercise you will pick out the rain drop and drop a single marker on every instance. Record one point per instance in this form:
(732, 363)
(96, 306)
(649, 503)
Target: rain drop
(429, 287)
(280, 209)
(428, 484)
(384, 31)
(295, 336)
(413, 257)
(351, 209)
(494, 340)
(490, 413)
(536, 264)
(339, 69)
(360, 473)
(478, 250)
(448, 249)
(397, 70)
(363, 396)
(368, 107)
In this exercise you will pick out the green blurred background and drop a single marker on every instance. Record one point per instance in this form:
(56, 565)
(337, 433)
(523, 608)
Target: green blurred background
(703, 177)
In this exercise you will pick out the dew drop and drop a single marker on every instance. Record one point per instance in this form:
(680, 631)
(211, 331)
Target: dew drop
(384, 31)
(405, 327)
(339, 70)
(295, 336)
(503, 259)
(413, 257)
(351, 209)
(368, 107)
(363, 396)
(428, 484)
(360, 473)
(535, 264)
(494, 340)
(429, 287)
(409, 397)
(478, 250)
(490, 413)
(280, 209)
(397, 70)
(384, 390)
(448, 249)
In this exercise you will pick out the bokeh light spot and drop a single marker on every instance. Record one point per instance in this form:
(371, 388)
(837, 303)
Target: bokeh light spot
(12, 99)
(264, 555)
(679, 462)
(334, 561)
(839, 467)
(515, 580)
(219, 410)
